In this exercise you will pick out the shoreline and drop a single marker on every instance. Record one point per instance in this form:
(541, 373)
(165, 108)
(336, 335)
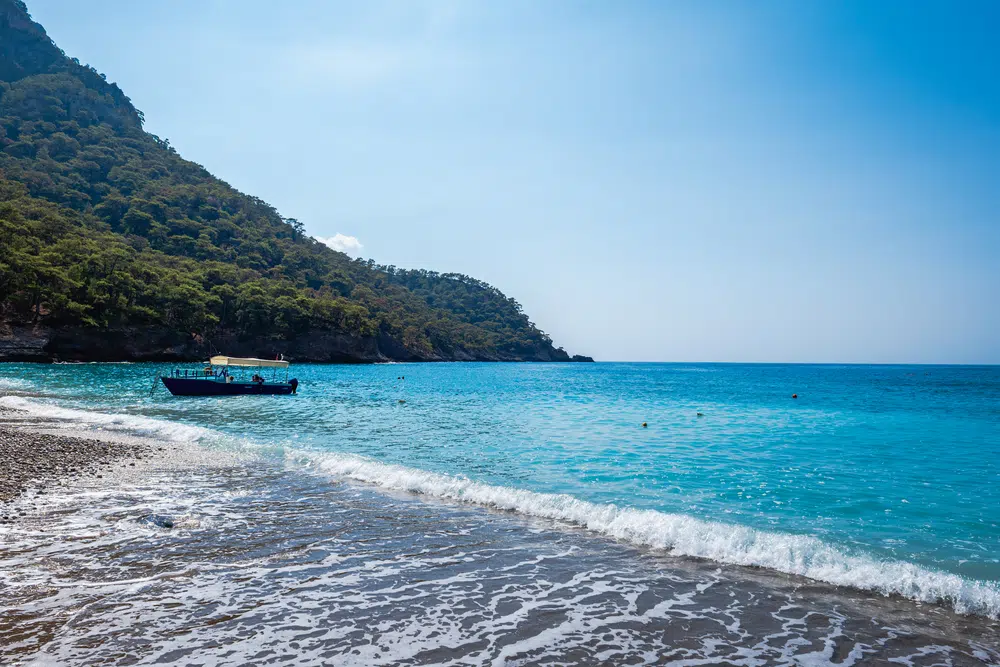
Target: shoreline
(310, 361)
(289, 553)
(118, 497)
(36, 461)
(109, 458)
(39, 343)
(40, 458)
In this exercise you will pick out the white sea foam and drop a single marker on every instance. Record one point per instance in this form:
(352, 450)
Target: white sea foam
(684, 535)
(128, 424)
(677, 533)
(15, 384)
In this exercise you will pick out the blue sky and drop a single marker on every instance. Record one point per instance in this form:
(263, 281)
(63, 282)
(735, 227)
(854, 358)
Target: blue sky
(701, 181)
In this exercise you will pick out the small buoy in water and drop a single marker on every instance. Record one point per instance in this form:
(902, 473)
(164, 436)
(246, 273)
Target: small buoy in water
(795, 395)
(644, 424)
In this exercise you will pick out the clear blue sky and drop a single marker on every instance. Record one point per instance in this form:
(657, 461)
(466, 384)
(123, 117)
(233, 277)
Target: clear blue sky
(728, 181)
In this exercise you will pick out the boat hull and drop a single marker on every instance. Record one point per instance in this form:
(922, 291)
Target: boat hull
(211, 387)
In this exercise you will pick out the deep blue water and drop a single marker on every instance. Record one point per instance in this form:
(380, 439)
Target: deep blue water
(882, 464)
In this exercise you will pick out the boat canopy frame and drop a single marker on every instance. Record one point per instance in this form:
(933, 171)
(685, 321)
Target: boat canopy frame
(248, 362)
(241, 363)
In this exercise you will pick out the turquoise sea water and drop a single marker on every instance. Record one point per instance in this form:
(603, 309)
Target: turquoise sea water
(879, 477)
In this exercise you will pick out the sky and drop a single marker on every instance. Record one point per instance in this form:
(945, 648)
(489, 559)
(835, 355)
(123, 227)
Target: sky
(772, 181)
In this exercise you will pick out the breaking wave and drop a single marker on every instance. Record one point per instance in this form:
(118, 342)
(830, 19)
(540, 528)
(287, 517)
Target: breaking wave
(13, 384)
(163, 429)
(678, 534)
(683, 535)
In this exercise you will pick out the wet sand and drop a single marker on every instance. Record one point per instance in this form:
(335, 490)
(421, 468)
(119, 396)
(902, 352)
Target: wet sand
(122, 550)
(261, 564)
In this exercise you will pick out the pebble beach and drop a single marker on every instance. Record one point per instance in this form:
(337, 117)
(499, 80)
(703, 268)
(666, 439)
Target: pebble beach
(35, 461)
(145, 529)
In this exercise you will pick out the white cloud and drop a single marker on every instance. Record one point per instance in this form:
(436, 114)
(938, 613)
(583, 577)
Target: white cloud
(348, 244)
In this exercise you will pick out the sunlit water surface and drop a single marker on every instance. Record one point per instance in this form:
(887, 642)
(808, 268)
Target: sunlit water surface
(882, 479)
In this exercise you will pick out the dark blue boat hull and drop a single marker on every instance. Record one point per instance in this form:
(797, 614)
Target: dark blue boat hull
(211, 387)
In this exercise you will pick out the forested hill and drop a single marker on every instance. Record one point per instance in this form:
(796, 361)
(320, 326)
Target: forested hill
(115, 247)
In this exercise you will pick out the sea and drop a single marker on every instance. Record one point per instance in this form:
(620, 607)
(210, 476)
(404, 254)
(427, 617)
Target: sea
(517, 514)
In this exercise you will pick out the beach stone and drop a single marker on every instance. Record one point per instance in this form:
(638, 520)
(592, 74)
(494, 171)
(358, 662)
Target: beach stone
(161, 521)
(41, 460)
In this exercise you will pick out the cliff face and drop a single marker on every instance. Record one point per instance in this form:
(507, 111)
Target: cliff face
(46, 344)
(39, 343)
(116, 248)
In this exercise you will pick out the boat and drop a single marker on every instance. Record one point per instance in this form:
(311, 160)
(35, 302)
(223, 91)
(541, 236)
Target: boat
(217, 378)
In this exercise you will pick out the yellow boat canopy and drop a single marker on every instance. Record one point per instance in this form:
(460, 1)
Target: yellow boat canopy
(255, 363)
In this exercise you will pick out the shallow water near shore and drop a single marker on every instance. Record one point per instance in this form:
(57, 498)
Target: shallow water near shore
(875, 481)
(268, 565)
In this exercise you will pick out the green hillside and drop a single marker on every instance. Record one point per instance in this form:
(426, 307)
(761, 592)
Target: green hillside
(104, 227)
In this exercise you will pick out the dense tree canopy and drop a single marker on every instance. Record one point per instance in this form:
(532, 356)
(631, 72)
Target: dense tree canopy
(104, 225)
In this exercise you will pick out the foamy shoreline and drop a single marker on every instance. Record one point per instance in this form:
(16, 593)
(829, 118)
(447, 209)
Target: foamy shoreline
(35, 460)
(181, 445)
(681, 535)
(40, 455)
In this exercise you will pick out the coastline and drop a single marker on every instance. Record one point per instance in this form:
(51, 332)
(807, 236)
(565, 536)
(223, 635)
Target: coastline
(36, 461)
(116, 446)
(42, 457)
(356, 541)
(44, 344)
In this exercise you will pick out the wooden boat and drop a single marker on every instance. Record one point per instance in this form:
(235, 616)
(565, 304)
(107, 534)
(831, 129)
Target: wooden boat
(217, 379)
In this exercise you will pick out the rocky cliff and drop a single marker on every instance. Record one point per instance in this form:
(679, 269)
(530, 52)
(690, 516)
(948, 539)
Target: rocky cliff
(46, 344)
